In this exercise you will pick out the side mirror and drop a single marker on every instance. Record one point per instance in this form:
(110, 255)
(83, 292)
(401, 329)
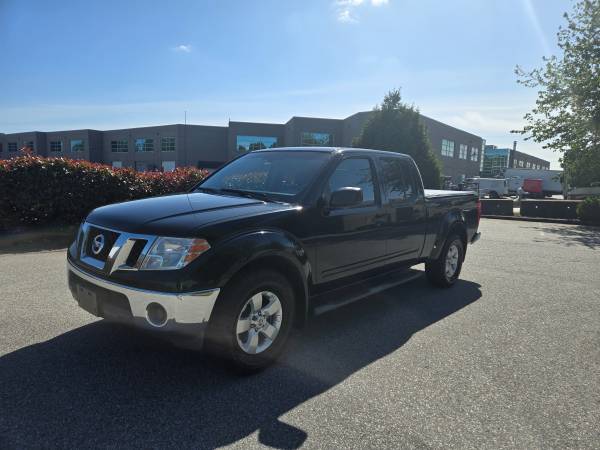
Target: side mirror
(345, 197)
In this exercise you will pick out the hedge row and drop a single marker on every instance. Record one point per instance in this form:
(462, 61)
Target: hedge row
(589, 210)
(42, 191)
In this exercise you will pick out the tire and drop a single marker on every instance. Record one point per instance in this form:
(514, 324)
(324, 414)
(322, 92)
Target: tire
(436, 270)
(249, 304)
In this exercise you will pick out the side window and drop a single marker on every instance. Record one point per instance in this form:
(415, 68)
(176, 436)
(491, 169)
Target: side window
(398, 181)
(354, 172)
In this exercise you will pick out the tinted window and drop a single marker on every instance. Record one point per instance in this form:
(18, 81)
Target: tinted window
(316, 139)
(250, 143)
(281, 173)
(397, 179)
(355, 172)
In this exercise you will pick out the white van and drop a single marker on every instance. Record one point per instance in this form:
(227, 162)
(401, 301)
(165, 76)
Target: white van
(491, 187)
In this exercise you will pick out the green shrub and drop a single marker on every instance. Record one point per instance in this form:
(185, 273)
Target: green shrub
(589, 210)
(42, 191)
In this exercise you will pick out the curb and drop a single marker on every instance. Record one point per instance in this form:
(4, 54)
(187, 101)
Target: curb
(540, 219)
(44, 239)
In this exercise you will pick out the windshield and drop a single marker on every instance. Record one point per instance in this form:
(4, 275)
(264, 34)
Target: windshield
(277, 175)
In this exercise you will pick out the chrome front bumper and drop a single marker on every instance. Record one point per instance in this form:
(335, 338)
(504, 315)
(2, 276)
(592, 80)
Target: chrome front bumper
(184, 311)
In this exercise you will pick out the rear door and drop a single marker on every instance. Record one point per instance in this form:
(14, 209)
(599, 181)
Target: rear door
(349, 239)
(404, 202)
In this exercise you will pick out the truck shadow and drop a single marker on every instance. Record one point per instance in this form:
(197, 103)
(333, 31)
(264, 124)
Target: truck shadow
(103, 385)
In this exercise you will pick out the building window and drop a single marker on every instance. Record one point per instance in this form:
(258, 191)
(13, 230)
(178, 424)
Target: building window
(144, 145)
(474, 154)
(29, 145)
(167, 144)
(462, 151)
(77, 145)
(246, 144)
(168, 166)
(12, 147)
(119, 146)
(117, 164)
(310, 139)
(56, 146)
(448, 148)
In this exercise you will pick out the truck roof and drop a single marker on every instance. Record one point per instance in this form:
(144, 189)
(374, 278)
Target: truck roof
(342, 150)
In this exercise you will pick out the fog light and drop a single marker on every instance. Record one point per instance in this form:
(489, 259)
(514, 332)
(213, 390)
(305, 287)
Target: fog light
(156, 315)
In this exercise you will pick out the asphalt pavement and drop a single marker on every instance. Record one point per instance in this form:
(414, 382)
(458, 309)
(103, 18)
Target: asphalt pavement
(507, 358)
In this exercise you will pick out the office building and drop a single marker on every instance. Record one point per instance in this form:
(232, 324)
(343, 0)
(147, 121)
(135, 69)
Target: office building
(165, 147)
(496, 160)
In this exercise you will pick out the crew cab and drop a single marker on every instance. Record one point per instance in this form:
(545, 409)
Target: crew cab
(267, 241)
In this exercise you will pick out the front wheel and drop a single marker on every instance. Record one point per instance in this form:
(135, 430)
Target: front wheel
(444, 271)
(252, 320)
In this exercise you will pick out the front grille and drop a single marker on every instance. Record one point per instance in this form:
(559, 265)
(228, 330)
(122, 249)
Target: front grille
(135, 253)
(108, 237)
(120, 250)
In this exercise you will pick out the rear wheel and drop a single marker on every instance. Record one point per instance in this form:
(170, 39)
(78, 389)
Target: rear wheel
(252, 320)
(445, 270)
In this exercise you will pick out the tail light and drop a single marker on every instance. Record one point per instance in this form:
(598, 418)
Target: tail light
(478, 210)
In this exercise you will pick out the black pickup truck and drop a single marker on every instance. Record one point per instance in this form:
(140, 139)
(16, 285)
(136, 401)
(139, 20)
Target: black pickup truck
(265, 242)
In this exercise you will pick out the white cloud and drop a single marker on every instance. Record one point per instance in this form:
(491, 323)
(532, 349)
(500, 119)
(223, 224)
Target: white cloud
(345, 16)
(183, 48)
(345, 9)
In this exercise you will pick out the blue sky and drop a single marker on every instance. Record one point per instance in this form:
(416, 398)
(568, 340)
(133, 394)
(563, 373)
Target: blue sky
(114, 64)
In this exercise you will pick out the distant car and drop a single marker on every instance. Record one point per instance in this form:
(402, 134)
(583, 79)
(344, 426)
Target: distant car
(266, 241)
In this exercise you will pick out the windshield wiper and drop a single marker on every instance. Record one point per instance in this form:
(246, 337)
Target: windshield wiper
(249, 194)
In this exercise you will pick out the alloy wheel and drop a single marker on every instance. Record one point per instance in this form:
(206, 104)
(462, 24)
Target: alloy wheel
(259, 322)
(452, 260)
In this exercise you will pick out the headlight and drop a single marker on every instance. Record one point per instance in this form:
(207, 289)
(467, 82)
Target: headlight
(173, 253)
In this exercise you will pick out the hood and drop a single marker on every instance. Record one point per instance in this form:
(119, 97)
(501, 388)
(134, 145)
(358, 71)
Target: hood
(177, 215)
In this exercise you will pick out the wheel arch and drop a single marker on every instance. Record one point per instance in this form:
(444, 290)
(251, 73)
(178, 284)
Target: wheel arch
(453, 223)
(275, 251)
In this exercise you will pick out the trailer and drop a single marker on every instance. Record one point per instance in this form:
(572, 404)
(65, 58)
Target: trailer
(491, 187)
(551, 180)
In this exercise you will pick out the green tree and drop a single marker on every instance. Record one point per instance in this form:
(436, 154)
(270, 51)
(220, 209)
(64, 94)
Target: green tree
(566, 117)
(395, 126)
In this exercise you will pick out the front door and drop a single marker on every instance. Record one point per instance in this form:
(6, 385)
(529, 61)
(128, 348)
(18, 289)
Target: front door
(349, 239)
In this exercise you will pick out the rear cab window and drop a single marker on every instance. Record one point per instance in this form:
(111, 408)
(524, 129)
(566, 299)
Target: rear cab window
(398, 180)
